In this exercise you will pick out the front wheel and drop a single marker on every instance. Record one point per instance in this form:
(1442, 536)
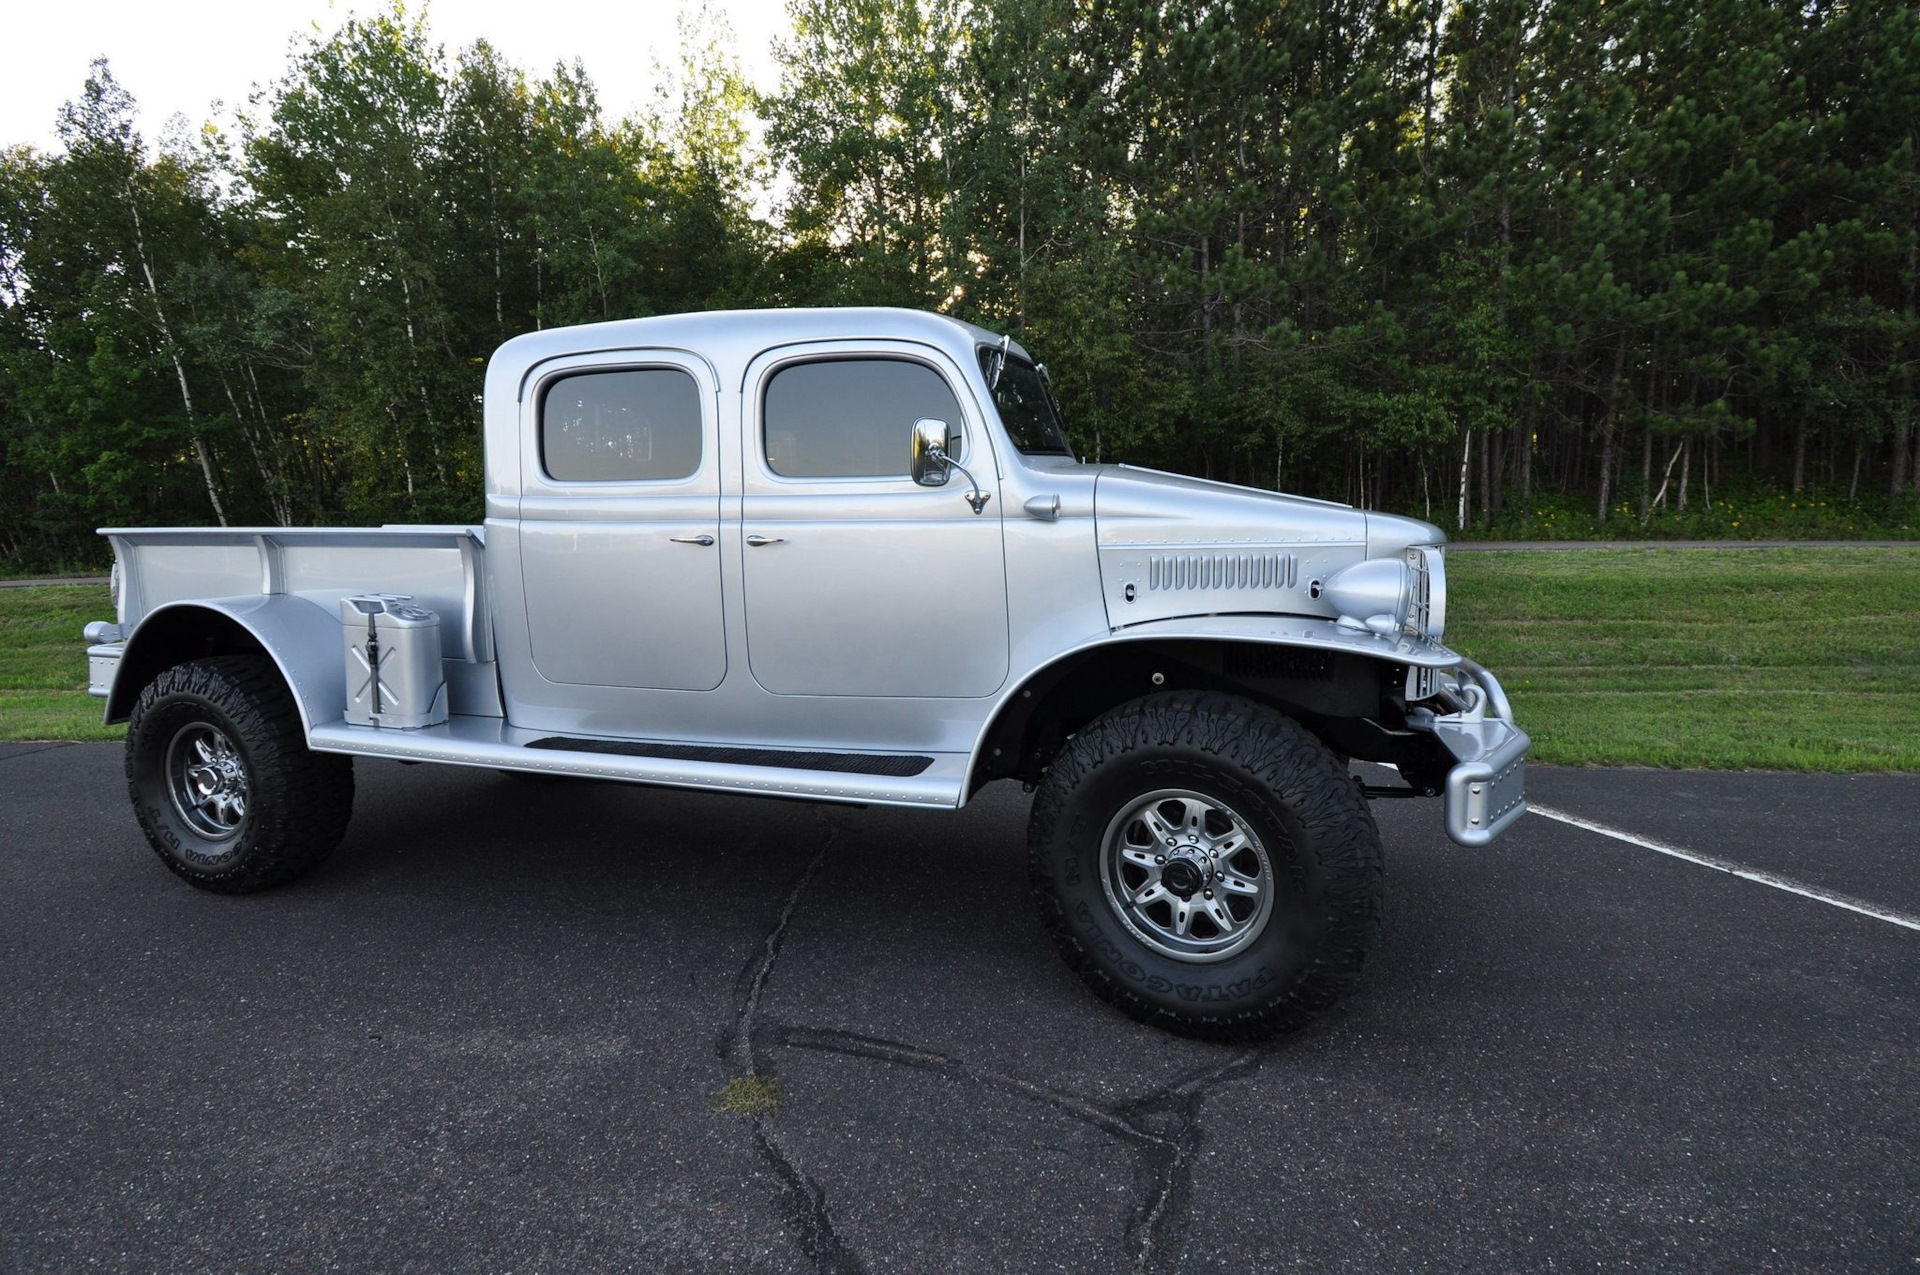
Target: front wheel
(1207, 865)
(222, 781)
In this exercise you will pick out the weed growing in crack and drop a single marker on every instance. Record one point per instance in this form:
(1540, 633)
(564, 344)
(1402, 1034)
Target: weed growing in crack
(749, 1096)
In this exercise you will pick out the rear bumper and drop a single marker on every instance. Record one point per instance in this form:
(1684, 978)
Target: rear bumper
(1486, 788)
(103, 663)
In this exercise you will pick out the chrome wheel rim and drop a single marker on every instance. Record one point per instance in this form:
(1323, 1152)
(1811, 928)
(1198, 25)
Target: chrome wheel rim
(207, 781)
(1186, 875)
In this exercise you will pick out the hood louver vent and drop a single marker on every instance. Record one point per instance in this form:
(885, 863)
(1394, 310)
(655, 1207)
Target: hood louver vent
(1222, 571)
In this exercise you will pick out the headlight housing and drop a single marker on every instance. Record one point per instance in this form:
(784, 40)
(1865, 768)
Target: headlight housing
(1390, 596)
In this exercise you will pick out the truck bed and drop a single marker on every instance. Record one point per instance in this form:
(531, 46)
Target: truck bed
(441, 567)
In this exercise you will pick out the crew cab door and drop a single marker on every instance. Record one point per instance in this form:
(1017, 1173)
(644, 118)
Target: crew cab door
(857, 581)
(620, 523)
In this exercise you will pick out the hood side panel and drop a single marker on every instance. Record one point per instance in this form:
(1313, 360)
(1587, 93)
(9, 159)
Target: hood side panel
(1172, 547)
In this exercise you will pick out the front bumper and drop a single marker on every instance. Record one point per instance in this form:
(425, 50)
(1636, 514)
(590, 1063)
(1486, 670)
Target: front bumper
(1486, 788)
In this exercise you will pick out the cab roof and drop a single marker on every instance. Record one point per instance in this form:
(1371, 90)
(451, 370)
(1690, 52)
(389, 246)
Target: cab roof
(730, 339)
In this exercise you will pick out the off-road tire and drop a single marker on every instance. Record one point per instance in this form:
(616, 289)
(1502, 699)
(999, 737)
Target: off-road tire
(1292, 793)
(297, 801)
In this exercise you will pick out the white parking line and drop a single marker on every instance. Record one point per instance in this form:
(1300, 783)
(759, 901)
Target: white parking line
(1733, 869)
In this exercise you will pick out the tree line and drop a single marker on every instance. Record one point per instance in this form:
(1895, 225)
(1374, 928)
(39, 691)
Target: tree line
(1440, 257)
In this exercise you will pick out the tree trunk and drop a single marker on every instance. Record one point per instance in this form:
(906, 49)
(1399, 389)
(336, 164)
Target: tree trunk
(267, 479)
(1905, 402)
(173, 353)
(1526, 466)
(1466, 455)
(1486, 474)
(1661, 497)
(1708, 446)
(1606, 470)
(1020, 302)
(1799, 452)
(599, 275)
(1646, 472)
(1607, 430)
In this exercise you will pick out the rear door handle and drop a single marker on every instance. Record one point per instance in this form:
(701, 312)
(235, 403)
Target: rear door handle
(693, 540)
(757, 540)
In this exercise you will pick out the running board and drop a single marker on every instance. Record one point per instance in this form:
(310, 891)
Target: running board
(917, 779)
(896, 765)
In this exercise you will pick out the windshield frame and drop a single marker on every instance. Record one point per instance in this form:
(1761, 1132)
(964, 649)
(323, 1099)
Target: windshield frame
(1008, 360)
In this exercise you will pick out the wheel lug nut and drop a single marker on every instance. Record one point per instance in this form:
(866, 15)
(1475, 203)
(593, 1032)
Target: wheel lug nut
(1159, 858)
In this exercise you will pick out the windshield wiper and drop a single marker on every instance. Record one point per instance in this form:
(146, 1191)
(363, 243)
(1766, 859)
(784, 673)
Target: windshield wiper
(1000, 361)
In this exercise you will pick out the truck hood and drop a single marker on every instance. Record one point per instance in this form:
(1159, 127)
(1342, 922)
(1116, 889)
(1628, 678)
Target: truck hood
(1176, 546)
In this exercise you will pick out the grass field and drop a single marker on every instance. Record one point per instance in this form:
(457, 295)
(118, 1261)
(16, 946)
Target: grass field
(1792, 659)
(43, 663)
(1789, 659)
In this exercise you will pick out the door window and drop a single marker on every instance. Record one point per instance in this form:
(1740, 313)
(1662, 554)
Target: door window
(632, 425)
(851, 418)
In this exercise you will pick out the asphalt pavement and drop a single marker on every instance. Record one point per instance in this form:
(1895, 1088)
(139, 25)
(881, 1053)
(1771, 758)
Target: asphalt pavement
(565, 1026)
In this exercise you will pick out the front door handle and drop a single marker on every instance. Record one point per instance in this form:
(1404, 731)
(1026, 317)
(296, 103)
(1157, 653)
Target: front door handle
(756, 540)
(692, 540)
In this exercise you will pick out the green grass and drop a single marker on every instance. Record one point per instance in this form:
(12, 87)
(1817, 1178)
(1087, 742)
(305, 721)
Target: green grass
(43, 663)
(1792, 659)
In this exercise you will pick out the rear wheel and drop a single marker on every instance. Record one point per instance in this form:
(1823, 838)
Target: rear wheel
(1207, 865)
(222, 781)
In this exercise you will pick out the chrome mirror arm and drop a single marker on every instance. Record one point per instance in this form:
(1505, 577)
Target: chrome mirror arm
(977, 498)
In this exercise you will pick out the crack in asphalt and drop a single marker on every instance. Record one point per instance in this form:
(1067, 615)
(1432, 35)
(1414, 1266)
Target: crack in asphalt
(803, 1199)
(1163, 1158)
(1161, 1128)
(45, 747)
(853, 1044)
(1171, 1162)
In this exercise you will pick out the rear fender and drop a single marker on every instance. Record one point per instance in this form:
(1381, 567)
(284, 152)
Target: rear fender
(301, 639)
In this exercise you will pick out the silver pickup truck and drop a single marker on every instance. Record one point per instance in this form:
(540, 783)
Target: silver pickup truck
(848, 556)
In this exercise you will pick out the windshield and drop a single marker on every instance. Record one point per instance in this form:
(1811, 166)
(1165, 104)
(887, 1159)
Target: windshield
(1026, 408)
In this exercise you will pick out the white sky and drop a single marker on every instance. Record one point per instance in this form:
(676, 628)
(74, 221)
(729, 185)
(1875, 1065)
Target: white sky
(183, 55)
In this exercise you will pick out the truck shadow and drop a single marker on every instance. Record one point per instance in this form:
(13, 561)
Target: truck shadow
(926, 890)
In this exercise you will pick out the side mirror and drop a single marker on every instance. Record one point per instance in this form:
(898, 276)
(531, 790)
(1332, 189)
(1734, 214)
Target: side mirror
(930, 465)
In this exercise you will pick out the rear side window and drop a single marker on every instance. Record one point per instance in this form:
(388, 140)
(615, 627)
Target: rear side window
(634, 425)
(851, 418)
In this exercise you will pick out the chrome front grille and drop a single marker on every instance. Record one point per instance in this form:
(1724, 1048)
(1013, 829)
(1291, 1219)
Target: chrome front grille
(1422, 683)
(1420, 609)
(1426, 615)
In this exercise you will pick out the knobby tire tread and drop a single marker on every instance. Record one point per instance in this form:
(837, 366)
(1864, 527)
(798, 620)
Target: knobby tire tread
(1301, 772)
(299, 801)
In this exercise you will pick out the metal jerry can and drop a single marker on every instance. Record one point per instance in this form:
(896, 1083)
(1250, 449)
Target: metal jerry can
(393, 662)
